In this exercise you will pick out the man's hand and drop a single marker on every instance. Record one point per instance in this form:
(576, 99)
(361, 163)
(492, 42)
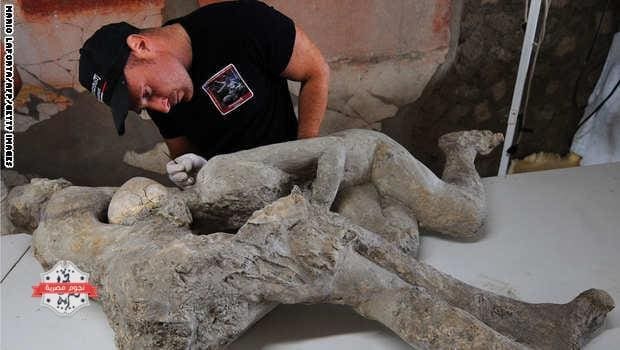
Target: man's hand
(182, 171)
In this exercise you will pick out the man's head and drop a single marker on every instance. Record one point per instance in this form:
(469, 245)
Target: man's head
(128, 68)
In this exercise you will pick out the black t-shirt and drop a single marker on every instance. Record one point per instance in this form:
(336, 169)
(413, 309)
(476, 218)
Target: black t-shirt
(240, 101)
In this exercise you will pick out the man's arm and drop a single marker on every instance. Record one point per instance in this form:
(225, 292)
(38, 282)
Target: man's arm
(178, 146)
(308, 66)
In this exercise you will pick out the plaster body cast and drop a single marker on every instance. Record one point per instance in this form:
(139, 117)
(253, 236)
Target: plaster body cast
(164, 286)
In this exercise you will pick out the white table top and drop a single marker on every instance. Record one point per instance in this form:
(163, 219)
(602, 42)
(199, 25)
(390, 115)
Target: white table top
(12, 249)
(549, 236)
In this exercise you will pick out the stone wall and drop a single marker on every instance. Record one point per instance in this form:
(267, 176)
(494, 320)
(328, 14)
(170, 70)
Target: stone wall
(380, 58)
(49, 33)
(476, 91)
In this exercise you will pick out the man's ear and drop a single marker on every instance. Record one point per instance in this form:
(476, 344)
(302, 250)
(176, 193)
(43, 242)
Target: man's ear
(140, 45)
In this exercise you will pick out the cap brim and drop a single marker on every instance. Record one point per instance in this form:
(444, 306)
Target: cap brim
(120, 105)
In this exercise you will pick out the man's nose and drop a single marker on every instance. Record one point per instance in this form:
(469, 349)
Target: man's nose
(160, 104)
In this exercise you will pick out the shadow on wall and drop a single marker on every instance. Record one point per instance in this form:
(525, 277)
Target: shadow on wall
(62, 132)
(81, 145)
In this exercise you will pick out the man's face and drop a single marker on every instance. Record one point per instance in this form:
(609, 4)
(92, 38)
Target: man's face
(158, 84)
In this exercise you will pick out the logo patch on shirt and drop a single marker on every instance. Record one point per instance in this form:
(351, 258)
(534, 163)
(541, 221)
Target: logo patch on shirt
(227, 89)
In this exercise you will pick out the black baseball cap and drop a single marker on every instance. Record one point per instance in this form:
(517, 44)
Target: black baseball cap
(102, 61)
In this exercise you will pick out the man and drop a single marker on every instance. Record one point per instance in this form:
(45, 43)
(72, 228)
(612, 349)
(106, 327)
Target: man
(213, 81)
